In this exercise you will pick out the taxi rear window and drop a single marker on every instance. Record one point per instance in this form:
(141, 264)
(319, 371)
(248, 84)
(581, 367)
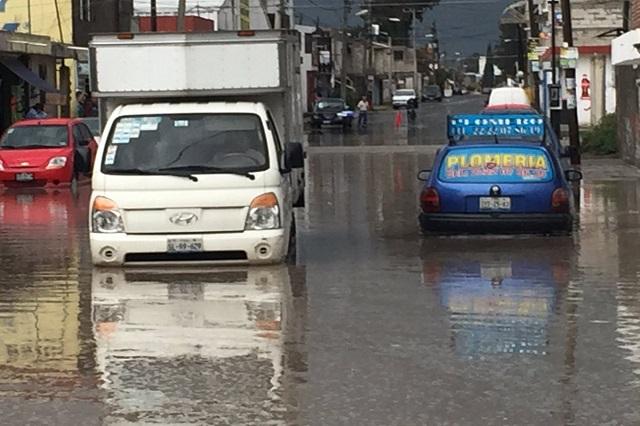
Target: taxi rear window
(495, 164)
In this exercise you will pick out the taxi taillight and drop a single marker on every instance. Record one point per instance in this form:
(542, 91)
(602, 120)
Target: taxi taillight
(430, 200)
(560, 201)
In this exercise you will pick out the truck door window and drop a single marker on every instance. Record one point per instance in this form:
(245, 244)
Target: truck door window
(274, 130)
(78, 137)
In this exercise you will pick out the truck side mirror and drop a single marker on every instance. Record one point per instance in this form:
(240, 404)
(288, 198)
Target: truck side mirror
(573, 175)
(423, 175)
(293, 156)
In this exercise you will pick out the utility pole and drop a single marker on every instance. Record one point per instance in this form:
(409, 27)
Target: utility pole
(154, 17)
(534, 32)
(415, 50)
(182, 6)
(29, 14)
(570, 75)
(370, 65)
(283, 13)
(553, 41)
(555, 113)
(346, 9)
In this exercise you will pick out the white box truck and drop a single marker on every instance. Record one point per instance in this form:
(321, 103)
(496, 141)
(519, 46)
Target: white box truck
(200, 157)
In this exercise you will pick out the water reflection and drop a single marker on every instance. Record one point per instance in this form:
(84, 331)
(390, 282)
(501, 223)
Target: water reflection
(43, 351)
(200, 346)
(501, 294)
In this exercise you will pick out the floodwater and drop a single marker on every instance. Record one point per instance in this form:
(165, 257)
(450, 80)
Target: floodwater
(374, 324)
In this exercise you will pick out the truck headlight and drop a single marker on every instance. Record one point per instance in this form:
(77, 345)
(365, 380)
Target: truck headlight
(106, 216)
(57, 163)
(264, 213)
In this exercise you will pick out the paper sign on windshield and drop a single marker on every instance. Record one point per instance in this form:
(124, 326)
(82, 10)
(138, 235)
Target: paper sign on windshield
(496, 165)
(529, 126)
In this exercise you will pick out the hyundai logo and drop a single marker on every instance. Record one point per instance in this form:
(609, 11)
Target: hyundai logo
(183, 219)
(495, 190)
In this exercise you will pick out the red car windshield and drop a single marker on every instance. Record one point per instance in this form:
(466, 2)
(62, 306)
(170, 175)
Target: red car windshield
(24, 137)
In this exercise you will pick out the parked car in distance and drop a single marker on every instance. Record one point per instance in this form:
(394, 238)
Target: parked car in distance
(497, 176)
(46, 152)
(432, 93)
(404, 98)
(332, 111)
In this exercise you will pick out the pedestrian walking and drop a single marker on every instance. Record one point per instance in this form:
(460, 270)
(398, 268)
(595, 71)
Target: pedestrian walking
(363, 112)
(411, 114)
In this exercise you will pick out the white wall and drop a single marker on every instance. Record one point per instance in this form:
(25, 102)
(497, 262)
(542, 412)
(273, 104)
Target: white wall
(307, 61)
(584, 105)
(611, 87)
(586, 68)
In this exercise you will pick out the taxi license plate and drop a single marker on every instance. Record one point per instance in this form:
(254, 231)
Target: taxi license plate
(184, 245)
(24, 177)
(500, 204)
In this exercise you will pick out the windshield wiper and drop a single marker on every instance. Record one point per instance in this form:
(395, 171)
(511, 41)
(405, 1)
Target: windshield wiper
(155, 172)
(207, 169)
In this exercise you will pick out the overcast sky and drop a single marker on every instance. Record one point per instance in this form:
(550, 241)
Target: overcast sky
(466, 26)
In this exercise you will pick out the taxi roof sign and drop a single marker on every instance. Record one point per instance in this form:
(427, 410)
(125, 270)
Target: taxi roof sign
(467, 126)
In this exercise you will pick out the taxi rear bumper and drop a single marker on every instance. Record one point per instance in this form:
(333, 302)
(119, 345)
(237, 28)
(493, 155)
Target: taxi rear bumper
(538, 223)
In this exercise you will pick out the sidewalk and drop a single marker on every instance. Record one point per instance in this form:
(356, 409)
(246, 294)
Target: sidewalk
(608, 168)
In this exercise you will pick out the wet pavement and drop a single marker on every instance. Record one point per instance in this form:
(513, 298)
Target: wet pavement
(374, 324)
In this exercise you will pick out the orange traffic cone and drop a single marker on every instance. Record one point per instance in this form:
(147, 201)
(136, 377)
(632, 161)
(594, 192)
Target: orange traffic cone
(398, 119)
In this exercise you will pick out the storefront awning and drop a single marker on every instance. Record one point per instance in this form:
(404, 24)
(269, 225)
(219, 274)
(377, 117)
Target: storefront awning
(27, 75)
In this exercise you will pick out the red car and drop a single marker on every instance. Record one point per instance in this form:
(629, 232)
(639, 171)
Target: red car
(46, 152)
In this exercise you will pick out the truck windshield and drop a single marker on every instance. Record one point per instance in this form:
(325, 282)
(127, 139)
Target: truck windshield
(35, 137)
(201, 143)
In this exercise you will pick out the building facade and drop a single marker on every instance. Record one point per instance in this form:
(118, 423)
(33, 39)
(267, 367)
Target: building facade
(626, 59)
(595, 24)
(65, 23)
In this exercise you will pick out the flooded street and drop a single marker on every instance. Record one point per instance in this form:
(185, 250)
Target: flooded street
(373, 325)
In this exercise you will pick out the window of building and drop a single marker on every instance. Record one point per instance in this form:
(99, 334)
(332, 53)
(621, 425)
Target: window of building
(85, 10)
(398, 55)
(308, 43)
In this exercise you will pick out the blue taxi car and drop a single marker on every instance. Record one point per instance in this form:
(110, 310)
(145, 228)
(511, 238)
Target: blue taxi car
(497, 175)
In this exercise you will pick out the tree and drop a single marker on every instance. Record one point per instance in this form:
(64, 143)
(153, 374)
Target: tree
(488, 78)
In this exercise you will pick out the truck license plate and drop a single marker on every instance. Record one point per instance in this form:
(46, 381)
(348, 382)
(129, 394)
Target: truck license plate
(24, 177)
(501, 204)
(184, 245)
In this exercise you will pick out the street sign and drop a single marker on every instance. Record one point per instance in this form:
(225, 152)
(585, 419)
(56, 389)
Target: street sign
(569, 57)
